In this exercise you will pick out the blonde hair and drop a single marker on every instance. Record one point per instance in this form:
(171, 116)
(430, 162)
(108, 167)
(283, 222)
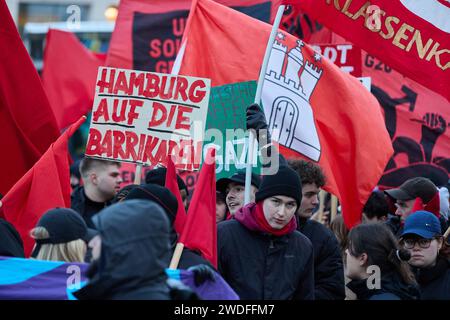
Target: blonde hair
(72, 251)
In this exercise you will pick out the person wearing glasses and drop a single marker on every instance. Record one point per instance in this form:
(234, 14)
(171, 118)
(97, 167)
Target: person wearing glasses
(430, 262)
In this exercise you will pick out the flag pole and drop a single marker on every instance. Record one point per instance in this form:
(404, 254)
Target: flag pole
(251, 138)
(176, 256)
(137, 175)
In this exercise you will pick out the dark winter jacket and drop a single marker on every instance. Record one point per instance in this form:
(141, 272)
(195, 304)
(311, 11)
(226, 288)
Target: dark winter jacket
(86, 207)
(329, 280)
(258, 265)
(435, 281)
(11, 244)
(135, 252)
(392, 287)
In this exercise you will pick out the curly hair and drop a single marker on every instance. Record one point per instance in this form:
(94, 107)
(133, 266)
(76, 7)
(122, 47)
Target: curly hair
(309, 172)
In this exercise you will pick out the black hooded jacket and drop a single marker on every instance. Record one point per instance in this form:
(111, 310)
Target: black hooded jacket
(329, 283)
(10, 242)
(134, 254)
(435, 281)
(392, 287)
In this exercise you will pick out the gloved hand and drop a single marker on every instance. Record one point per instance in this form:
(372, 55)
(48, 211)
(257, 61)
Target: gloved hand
(202, 272)
(256, 120)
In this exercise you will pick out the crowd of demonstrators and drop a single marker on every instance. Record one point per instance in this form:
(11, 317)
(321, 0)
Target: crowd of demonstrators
(61, 235)
(328, 265)
(414, 194)
(101, 181)
(270, 248)
(234, 190)
(423, 239)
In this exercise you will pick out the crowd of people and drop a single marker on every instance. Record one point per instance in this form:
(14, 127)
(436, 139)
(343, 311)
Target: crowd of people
(270, 248)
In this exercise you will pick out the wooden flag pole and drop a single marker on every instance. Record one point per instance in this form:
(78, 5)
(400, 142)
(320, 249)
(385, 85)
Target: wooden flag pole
(176, 256)
(251, 141)
(334, 204)
(137, 175)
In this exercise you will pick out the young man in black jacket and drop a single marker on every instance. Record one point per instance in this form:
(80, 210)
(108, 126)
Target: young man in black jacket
(329, 281)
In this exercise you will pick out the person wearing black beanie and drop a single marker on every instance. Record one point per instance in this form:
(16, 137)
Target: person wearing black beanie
(261, 242)
(286, 183)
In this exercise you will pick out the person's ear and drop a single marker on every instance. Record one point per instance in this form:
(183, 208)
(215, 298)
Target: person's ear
(363, 259)
(93, 177)
(440, 241)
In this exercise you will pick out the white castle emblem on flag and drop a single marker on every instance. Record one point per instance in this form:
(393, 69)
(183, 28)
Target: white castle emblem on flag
(285, 99)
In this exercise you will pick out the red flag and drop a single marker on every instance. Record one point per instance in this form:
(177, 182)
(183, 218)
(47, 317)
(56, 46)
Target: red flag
(407, 35)
(172, 185)
(27, 123)
(315, 111)
(147, 34)
(200, 230)
(46, 185)
(69, 75)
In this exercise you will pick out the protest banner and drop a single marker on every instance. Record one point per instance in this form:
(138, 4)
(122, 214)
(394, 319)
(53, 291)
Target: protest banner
(344, 55)
(147, 35)
(226, 127)
(57, 280)
(143, 117)
(417, 120)
(407, 35)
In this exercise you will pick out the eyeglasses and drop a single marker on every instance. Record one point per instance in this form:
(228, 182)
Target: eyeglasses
(410, 243)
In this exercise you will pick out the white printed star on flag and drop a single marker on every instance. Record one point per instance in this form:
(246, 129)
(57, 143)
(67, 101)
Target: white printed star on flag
(317, 57)
(281, 35)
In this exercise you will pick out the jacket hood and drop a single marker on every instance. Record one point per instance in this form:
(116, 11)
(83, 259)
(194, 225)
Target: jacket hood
(135, 250)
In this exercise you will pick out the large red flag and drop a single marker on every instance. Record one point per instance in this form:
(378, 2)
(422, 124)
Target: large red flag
(69, 75)
(411, 36)
(27, 123)
(172, 185)
(46, 185)
(200, 230)
(147, 34)
(315, 111)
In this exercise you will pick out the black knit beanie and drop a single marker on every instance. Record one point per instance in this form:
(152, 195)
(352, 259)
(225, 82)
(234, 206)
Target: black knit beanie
(162, 196)
(285, 182)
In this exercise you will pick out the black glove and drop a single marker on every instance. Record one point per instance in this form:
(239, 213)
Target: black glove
(202, 272)
(256, 120)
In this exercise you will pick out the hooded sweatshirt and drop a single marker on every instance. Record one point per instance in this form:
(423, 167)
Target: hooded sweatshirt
(135, 251)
